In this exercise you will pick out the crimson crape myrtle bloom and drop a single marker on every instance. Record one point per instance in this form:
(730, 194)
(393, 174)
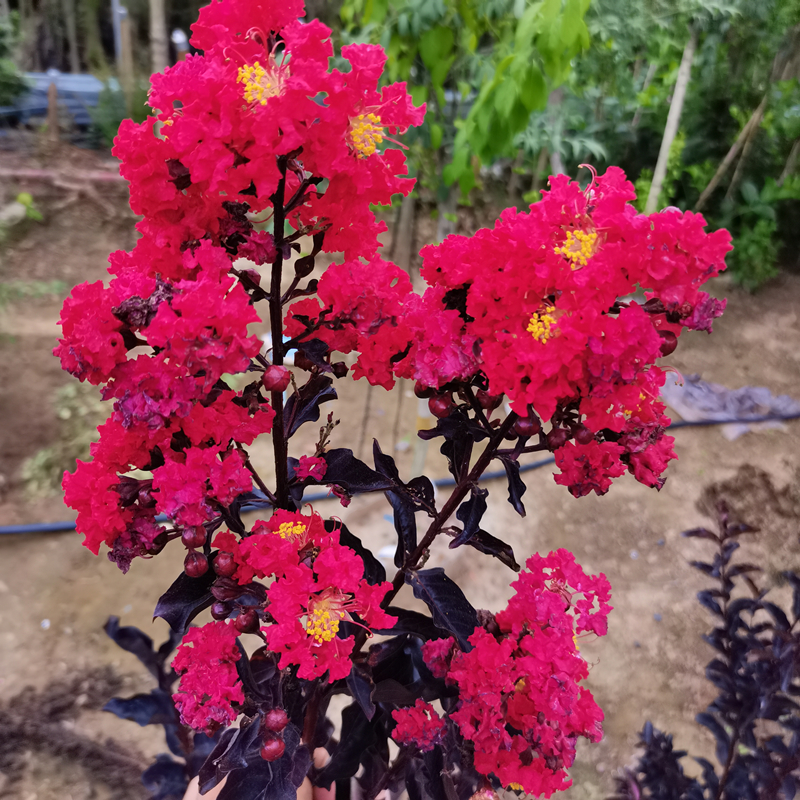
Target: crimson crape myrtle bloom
(174, 319)
(540, 305)
(418, 725)
(520, 698)
(261, 89)
(319, 583)
(209, 681)
(330, 592)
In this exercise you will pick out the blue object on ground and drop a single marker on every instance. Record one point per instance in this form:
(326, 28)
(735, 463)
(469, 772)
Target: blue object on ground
(77, 92)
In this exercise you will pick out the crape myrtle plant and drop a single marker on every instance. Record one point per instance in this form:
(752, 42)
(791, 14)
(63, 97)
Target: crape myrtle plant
(525, 339)
(755, 670)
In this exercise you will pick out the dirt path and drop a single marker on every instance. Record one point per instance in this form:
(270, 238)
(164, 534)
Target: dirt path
(55, 596)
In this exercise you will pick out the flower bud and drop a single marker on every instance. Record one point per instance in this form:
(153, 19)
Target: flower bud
(583, 435)
(276, 720)
(441, 405)
(557, 437)
(527, 426)
(220, 610)
(195, 565)
(193, 536)
(669, 343)
(276, 379)
(272, 749)
(247, 621)
(225, 565)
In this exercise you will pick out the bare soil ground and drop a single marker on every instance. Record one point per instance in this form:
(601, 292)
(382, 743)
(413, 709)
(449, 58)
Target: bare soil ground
(55, 596)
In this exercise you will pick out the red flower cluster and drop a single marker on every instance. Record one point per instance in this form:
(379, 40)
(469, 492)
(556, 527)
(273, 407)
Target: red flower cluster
(257, 93)
(419, 725)
(540, 306)
(209, 681)
(319, 584)
(521, 702)
(175, 319)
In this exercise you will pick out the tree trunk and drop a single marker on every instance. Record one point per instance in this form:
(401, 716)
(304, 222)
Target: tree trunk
(755, 119)
(159, 52)
(748, 146)
(673, 121)
(4, 9)
(125, 66)
(68, 7)
(791, 162)
(93, 55)
(648, 79)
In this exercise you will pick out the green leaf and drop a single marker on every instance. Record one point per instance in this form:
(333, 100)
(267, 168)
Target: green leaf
(437, 133)
(528, 26)
(435, 46)
(505, 97)
(571, 21)
(452, 172)
(533, 89)
(419, 94)
(440, 70)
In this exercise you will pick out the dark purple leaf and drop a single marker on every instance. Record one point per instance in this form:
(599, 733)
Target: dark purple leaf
(486, 543)
(360, 684)
(384, 464)
(354, 476)
(155, 708)
(357, 735)
(776, 612)
(470, 513)
(184, 600)
(134, 641)
(374, 571)
(450, 609)
(421, 492)
(794, 580)
(405, 524)
(719, 733)
(516, 486)
(412, 622)
(165, 779)
(708, 602)
(392, 691)
(315, 350)
(207, 775)
(303, 406)
(701, 533)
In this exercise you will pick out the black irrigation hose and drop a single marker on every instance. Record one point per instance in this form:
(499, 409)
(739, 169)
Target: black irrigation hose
(69, 525)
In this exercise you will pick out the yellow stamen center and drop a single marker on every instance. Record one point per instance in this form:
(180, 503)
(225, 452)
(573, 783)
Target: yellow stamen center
(514, 787)
(291, 530)
(541, 324)
(323, 621)
(366, 133)
(578, 247)
(259, 83)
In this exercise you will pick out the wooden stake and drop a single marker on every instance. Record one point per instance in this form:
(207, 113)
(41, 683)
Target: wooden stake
(673, 121)
(755, 118)
(159, 54)
(126, 76)
(68, 7)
